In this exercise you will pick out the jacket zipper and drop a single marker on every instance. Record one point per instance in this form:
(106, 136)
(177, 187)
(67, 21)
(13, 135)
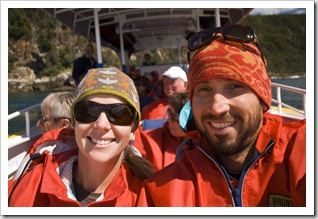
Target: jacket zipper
(236, 193)
(249, 166)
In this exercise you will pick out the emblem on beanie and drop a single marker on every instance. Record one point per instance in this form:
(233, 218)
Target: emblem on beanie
(108, 72)
(107, 81)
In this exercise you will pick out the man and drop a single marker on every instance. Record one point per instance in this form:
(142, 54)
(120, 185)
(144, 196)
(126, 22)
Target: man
(82, 64)
(174, 81)
(147, 60)
(242, 155)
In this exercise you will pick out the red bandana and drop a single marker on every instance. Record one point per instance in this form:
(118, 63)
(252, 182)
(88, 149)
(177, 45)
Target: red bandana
(219, 60)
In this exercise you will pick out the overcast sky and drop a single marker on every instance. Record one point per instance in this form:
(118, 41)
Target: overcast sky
(271, 11)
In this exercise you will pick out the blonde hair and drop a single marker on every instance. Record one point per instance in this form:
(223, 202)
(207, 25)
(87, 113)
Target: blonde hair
(59, 104)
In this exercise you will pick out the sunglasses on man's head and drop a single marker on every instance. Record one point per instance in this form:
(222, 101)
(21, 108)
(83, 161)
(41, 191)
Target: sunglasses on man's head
(236, 33)
(117, 113)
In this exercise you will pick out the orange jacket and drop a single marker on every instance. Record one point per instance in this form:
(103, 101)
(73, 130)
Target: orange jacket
(157, 145)
(42, 184)
(276, 177)
(156, 110)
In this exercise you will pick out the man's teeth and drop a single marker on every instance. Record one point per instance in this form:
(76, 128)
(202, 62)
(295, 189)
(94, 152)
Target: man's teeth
(102, 142)
(221, 125)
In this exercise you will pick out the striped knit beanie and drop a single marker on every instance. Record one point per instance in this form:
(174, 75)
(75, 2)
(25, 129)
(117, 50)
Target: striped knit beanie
(220, 60)
(108, 81)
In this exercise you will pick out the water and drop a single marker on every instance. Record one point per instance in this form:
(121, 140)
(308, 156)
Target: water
(292, 99)
(18, 101)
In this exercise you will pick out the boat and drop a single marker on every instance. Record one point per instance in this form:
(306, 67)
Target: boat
(137, 29)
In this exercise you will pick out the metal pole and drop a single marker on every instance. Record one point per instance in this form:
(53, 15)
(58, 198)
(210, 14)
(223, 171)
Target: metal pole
(179, 54)
(217, 18)
(279, 101)
(27, 124)
(122, 49)
(98, 42)
(197, 19)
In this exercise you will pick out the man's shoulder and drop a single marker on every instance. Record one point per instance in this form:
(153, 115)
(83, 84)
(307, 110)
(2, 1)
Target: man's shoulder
(278, 121)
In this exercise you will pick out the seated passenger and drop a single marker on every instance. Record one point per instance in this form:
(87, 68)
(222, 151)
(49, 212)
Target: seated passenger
(242, 156)
(100, 168)
(157, 85)
(174, 81)
(159, 145)
(56, 111)
(143, 86)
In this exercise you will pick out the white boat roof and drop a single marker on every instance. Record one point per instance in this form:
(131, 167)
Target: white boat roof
(145, 28)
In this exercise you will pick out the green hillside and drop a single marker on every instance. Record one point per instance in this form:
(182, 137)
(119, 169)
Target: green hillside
(283, 41)
(41, 43)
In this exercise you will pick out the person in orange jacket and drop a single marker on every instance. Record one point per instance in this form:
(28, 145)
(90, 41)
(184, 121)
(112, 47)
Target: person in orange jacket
(93, 164)
(55, 109)
(159, 145)
(174, 81)
(242, 155)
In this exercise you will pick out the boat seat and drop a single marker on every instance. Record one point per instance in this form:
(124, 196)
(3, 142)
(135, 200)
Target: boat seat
(152, 123)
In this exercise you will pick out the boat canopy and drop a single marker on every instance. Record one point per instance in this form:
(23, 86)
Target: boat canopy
(137, 29)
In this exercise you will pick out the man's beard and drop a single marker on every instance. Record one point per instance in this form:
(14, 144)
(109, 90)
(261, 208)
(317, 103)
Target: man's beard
(224, 144)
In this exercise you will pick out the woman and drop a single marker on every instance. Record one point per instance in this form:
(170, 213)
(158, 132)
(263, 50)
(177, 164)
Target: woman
(159, 145)
(97, 167)
(56, 111)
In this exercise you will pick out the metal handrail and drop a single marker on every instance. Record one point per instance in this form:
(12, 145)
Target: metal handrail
(279, 102)
(27, 117)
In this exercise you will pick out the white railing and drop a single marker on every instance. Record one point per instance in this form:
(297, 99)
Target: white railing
(27, 117)
(19, 143)
(281, 105)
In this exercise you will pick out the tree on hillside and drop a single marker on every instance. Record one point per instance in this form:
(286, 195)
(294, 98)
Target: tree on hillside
(283, 41)
(282, 38)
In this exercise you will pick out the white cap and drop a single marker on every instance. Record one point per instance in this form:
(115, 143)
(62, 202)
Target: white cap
(175, 72)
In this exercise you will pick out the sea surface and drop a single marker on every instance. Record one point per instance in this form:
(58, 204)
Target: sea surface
(290, 98)
(18, 101)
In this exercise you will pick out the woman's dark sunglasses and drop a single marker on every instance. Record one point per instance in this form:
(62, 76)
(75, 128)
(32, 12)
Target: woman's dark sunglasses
(117, 113)
(236, 33)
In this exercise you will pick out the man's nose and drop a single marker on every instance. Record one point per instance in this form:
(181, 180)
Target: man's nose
(219, 104)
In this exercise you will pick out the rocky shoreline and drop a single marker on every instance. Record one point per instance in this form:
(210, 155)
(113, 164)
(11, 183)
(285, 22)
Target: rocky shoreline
(24, 80)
